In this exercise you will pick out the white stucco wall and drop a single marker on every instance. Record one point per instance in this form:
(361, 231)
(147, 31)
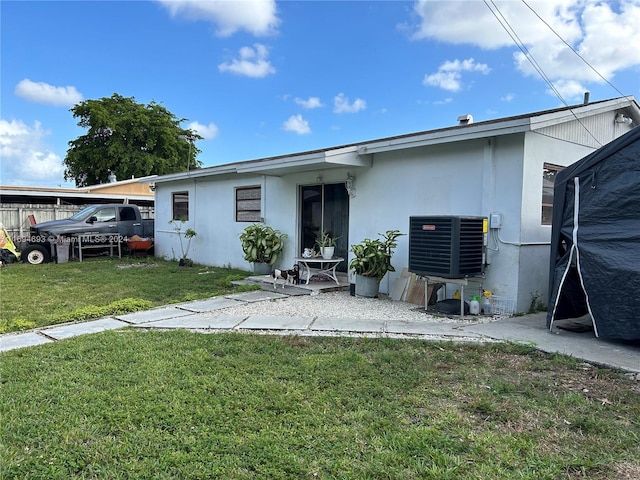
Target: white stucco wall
(212, 216)
(474, 177)
(533, 237)
(469, 178)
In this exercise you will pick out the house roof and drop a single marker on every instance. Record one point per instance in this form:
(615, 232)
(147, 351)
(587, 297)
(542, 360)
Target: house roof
(115, 191)
(360, 154)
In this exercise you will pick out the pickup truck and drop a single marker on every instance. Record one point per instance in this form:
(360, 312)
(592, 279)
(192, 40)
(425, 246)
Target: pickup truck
(98, 224)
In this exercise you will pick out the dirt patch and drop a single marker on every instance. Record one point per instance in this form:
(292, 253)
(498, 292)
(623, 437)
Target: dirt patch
(135, 265)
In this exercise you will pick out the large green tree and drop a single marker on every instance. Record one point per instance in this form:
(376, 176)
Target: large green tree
(128, 139)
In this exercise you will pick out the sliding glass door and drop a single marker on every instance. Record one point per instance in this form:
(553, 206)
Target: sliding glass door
(325, 207)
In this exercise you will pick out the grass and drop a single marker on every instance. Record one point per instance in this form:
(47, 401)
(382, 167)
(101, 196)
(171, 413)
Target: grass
(149, 404)
(38, 295)
(179, 405)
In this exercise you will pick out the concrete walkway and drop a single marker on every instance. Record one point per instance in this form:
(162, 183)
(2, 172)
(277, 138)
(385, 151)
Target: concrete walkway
(528, 329)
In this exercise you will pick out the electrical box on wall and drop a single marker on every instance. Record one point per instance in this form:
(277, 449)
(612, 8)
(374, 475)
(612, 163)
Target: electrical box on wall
(495, 220)
(447, 246)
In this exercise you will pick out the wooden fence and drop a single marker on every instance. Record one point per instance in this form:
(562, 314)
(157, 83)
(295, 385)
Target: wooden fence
(15, 217)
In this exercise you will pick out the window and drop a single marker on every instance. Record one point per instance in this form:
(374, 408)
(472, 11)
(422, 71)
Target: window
(180, 205)
(106, 215)
(549, 173)
(248, 204)
(127, 214)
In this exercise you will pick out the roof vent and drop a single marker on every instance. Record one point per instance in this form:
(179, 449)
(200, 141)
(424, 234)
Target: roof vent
(465, 119)
(586, 98)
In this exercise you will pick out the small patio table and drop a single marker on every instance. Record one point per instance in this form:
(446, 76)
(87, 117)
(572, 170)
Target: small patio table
(325, 266)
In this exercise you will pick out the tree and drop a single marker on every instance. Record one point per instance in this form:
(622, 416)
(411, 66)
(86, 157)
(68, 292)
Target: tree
(128, 139)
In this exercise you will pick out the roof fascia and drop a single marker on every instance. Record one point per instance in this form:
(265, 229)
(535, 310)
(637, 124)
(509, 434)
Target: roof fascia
(333, 158)
(118, 183)
(269, 166)
(580, 112)
(200, 172)
(454, 134)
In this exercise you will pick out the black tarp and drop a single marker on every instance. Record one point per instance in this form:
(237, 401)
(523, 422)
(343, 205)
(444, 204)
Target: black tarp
(595, 240)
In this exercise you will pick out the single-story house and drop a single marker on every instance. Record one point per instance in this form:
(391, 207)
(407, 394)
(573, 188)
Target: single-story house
(502, 169)
(595, 240)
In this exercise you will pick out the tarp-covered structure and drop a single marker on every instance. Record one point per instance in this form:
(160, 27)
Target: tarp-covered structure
(595, 241)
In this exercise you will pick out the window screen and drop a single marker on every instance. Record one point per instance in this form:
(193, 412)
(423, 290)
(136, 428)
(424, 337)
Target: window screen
(248, 204)
(180, 206)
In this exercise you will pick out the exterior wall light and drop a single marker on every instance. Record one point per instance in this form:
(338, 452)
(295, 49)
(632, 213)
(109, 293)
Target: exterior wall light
(349, 184)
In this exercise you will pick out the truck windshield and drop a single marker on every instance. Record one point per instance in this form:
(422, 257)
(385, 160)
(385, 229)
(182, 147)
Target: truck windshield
(83, 214)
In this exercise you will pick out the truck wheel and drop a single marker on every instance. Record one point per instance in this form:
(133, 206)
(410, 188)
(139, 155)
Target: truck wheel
(35, 255)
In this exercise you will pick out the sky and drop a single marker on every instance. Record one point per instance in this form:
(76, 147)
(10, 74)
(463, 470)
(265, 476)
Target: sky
(263, 78)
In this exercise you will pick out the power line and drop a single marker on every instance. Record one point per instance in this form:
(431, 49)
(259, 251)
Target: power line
(572, 49)
(520, 44)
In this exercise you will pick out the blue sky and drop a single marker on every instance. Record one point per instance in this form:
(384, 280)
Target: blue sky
(265, 78)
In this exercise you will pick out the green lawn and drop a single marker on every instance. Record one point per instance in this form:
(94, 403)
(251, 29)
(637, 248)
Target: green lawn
(38, 295)
(179, 405)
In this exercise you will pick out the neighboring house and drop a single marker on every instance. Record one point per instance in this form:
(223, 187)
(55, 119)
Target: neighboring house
(17, 203)
(356, 191)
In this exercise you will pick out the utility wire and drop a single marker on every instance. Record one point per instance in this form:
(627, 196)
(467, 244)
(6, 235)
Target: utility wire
(573, 50)
(514, 36)
(520, 44)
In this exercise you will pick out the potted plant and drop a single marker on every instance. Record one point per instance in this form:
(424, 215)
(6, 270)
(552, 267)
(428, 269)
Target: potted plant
(372, 261)
(262, 245)
(188, 234)
(327, 244)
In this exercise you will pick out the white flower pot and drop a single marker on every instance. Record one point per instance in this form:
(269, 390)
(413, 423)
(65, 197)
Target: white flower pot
(327, 252)
(367, 286)
(260, 268)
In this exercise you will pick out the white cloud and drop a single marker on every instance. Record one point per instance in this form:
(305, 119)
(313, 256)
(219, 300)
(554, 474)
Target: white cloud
(568, 89)
(449, 74)
(472, 22)
(444, 101)
(257, 17)
(41, 92)
(26, 160)
(252, 62)
(605, 34)
(508, 97)
(297, 124)
(341, 104)
(208, 132)
(311, 102)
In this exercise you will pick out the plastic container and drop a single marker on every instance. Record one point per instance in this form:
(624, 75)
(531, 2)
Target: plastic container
(474, 305)
(486, 306)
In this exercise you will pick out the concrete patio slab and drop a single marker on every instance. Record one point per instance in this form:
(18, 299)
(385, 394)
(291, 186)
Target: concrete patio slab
(199, 322)
(532, 329)
(429, 328)
(268, 322)
(312, 288)
(290, 290)
(211, 304)
(73, 330)
(256, 296)
(19, 340)
(349, 325)
(153, 315)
